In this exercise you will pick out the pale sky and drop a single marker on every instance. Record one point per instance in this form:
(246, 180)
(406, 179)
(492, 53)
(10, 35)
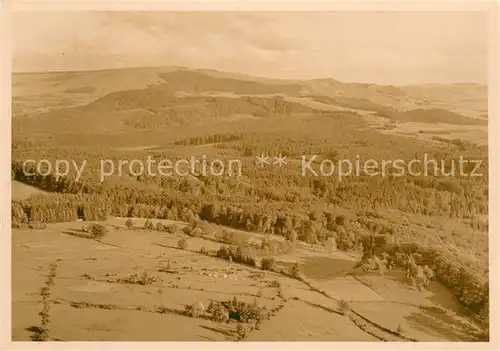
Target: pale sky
(365, 47)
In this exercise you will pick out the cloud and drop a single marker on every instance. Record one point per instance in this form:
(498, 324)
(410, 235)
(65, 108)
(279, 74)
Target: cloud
(384, 47)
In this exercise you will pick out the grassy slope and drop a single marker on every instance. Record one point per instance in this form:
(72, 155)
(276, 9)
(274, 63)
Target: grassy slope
(88, 272)
(102, 92)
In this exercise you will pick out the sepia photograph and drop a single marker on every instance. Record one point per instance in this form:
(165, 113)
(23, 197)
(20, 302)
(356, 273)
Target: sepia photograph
(238, 176)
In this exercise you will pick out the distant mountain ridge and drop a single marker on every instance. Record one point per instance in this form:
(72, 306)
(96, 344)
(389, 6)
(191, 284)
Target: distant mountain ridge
(147, 97)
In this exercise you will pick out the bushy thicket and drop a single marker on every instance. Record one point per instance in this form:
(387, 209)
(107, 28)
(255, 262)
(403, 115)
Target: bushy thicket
(97, 230)
(183, 244)
(267, 263)
(422, 264)
(235, 254)
(238, 310)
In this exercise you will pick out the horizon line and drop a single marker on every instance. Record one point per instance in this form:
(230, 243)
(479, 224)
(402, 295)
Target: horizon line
(290, 80)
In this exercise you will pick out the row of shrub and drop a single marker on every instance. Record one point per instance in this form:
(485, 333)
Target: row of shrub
(159, 226)
(235, 254)
(224, 311)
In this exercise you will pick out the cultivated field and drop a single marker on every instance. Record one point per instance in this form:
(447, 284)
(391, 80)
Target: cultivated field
(95, 295)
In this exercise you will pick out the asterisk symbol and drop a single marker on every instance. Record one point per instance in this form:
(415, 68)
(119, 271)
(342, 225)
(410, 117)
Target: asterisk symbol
(280, 161)
(262, 160)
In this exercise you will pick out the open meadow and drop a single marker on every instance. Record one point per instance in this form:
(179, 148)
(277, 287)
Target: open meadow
(135, 283)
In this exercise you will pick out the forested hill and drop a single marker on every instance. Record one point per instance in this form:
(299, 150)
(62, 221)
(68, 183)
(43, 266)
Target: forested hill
(173, 113)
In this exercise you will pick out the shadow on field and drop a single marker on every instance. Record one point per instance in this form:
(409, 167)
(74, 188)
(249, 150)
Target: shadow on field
(176, 248)
(444, 297)
(228, 333)
(37, 330)
(79, 233)
(321, 267)
(324, 308)
(435, 321)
